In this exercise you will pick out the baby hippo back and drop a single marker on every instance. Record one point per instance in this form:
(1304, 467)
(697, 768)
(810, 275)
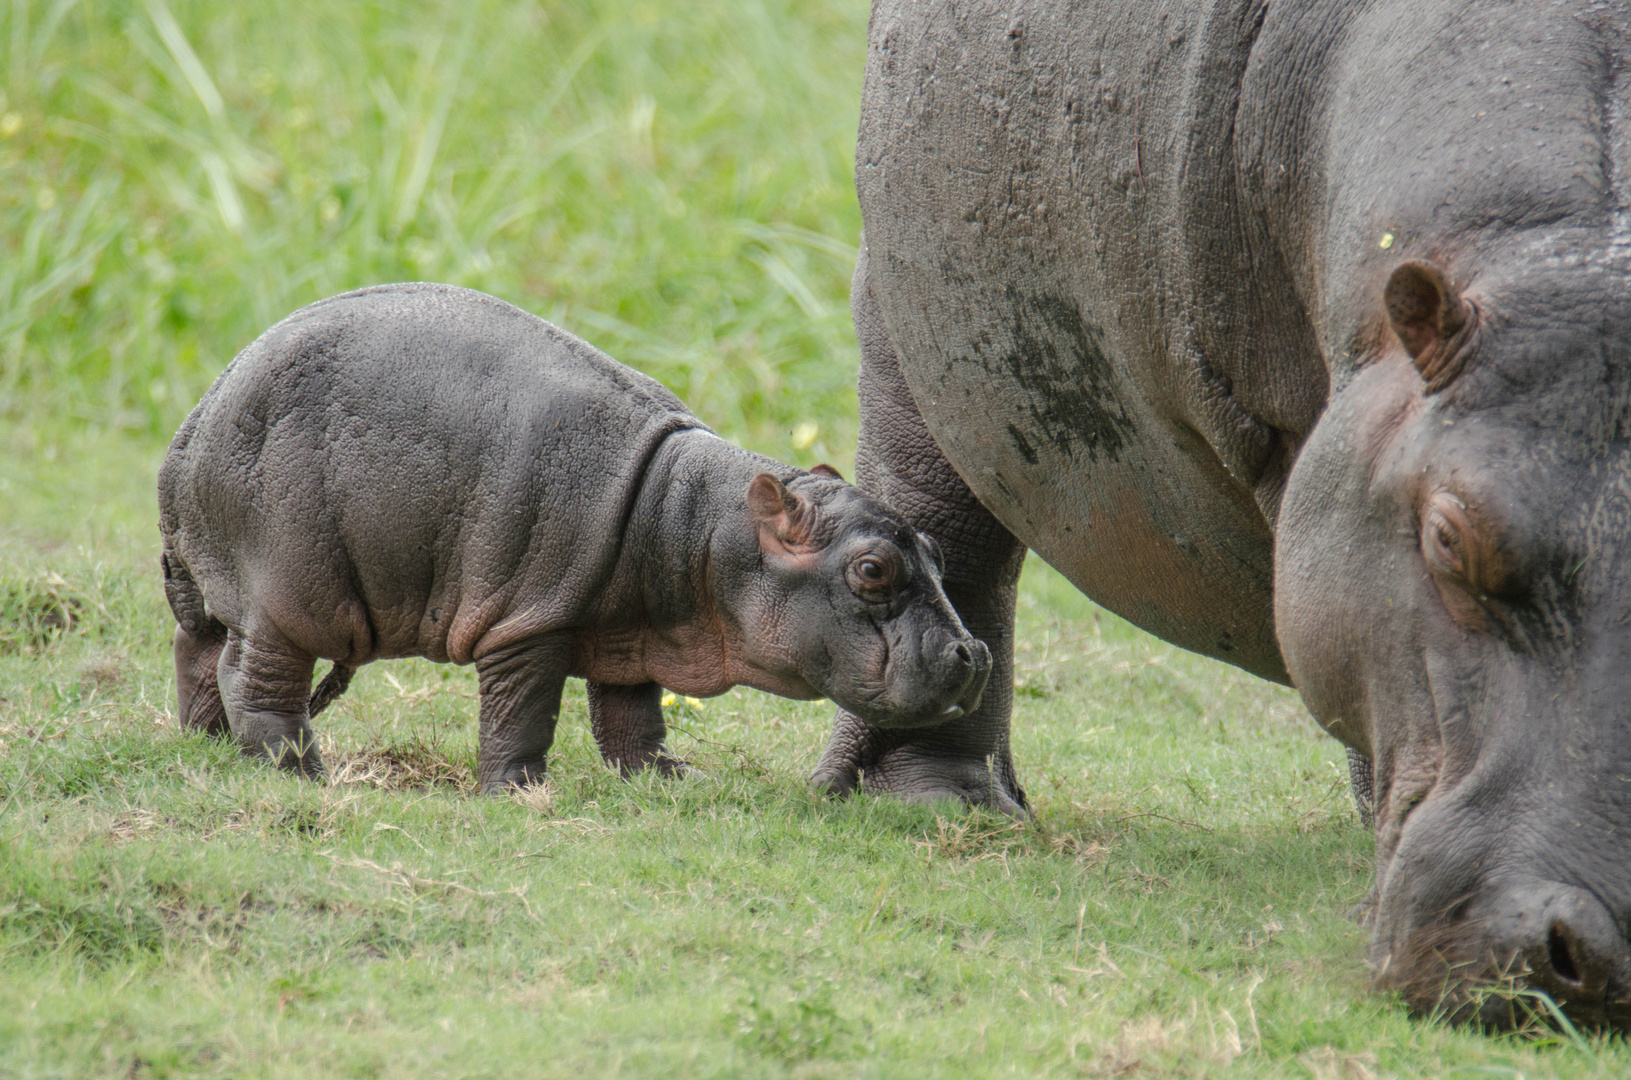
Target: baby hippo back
(383, 473)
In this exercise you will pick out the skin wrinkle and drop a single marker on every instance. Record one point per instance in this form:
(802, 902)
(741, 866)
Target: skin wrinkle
(713, 617)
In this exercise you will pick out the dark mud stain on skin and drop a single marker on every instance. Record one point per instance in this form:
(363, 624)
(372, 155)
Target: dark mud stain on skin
(1022, 444)
(1058, 360)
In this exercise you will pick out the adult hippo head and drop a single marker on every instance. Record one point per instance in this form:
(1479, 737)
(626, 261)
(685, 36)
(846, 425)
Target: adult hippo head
(1300, 335)
(1454, 601)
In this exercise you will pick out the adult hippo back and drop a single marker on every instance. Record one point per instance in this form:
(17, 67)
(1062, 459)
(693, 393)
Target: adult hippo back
(1298, 334)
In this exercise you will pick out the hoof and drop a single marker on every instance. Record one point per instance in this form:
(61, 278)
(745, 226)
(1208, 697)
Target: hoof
(662, 763)
(915, 777)
(677, 768)
(513, 777)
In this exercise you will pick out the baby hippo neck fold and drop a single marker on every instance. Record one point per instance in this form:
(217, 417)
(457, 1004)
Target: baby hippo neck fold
(673, 611)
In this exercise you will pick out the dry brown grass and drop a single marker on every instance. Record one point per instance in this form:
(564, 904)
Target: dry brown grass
(37, 610)
(978, 838)
(413, 764)
(135, 825)
(1199, 1045)
(1329, 1063)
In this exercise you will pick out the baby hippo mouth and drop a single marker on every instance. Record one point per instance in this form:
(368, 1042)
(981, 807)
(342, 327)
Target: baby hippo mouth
(973, 659)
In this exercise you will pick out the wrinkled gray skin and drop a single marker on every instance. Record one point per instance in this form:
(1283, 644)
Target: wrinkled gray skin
(1299, 334)
(421, 470)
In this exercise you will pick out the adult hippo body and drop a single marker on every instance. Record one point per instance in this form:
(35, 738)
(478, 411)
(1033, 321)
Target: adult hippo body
(1298, 334)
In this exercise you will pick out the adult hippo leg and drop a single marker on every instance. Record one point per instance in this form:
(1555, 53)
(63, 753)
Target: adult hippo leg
(628, 725)
(520, 687)
(898, 460)
(265, 685)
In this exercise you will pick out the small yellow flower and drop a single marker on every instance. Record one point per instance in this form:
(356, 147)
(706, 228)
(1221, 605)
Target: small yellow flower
(10, 124)
(1386, 241)
(695, 703)
(805, 434)
(668, 698)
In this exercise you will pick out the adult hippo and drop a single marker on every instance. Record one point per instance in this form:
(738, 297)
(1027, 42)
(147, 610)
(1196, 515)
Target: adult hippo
(1299, 335)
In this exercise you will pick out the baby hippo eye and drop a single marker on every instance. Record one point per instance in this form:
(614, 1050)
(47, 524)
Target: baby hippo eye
(872, 575)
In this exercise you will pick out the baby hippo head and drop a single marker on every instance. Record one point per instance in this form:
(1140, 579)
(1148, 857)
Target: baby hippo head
(846, 598)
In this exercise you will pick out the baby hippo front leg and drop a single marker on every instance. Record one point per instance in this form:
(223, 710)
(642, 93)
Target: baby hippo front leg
(629, 729)
(520, 689)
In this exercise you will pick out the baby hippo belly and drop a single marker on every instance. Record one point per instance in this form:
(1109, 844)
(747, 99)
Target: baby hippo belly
(386, 550)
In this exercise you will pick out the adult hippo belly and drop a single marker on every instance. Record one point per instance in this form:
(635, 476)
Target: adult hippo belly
(1298, 334)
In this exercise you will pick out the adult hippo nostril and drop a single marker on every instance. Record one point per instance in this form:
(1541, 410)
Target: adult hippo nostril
(1571, 943)
(1557, 951)
(1535, 936)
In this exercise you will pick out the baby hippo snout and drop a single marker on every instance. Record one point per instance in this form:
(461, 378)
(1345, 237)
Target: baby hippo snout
(951, 676)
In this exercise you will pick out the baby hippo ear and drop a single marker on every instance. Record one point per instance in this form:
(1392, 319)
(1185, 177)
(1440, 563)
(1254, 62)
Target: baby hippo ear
(1433, 323)
(784, 514)
(828, 471)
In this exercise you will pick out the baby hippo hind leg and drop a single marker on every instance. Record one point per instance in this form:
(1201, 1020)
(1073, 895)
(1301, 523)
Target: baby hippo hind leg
(265, 687)
(198, 698)
(520, 690)
(628, 725)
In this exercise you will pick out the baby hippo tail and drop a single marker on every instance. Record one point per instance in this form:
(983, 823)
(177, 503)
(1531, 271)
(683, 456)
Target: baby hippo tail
(332, 686)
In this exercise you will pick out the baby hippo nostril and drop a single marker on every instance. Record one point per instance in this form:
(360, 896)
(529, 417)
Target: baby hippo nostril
(1557, 951)
(958, 658)
(967, 660)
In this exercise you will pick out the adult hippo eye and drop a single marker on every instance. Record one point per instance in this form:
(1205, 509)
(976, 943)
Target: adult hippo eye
(1444, 534)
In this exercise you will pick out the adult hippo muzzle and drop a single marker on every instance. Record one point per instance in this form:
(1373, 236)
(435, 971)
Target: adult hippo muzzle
(1455, 602)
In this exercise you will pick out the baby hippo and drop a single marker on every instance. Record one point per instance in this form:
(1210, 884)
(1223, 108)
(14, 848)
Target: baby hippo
(423, 470)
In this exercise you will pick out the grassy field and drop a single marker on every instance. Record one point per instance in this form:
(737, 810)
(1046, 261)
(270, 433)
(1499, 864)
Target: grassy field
(670, 181)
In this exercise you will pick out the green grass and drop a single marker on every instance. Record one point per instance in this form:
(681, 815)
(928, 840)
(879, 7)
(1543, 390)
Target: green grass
(671, 182)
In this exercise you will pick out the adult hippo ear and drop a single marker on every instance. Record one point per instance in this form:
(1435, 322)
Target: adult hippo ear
(786, 519)
(1434, 323)
(828, 471)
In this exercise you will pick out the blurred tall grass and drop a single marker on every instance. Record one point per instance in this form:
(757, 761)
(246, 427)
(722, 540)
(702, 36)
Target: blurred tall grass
(670, 180)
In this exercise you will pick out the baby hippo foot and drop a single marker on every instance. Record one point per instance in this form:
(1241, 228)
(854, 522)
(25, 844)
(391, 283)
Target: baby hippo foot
(670, 767)
(296, 753)
(502, 781)
(627, 722)
(919, 765)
